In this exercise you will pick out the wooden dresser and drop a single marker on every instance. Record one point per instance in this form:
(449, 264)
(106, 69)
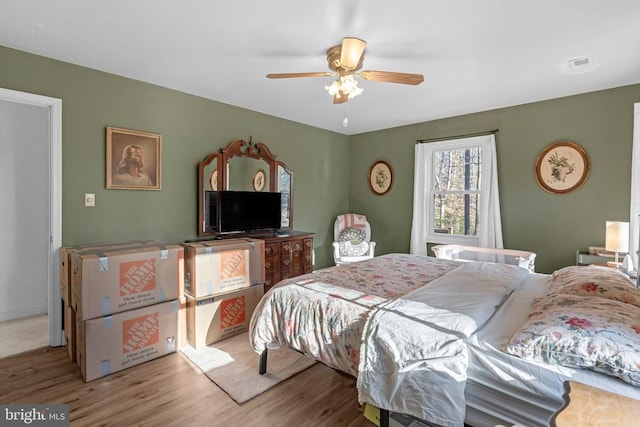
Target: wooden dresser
(287, 256)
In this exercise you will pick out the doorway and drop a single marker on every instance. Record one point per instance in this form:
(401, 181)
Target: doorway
(31, 209)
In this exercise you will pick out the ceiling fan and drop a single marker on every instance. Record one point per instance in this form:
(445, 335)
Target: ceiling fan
(345, 60)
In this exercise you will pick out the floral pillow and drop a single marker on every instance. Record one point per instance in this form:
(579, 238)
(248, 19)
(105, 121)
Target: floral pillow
(602, 282)
(582, 332)
(352, 242)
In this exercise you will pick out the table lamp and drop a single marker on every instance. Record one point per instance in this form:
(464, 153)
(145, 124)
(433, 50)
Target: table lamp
(617, 239)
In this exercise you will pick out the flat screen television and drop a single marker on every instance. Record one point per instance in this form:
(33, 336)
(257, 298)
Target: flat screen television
(211, 211)
(248, 211)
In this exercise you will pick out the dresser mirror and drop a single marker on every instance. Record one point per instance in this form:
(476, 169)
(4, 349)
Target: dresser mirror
(241, 166)
(241, 172)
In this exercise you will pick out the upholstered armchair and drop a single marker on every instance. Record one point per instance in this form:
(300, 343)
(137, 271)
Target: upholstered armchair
(352, 239)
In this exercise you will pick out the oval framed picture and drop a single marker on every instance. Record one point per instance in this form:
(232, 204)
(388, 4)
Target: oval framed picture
(380, 177)
(213, 180)
(562, 167)
(259, 180)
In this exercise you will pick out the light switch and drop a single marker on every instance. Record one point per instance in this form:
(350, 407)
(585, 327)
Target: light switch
(89, 199)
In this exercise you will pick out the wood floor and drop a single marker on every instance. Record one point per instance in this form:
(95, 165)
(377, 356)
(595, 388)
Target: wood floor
(170, 391)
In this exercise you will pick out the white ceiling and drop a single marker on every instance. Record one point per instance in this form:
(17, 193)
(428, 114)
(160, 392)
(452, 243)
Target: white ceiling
(475, 54)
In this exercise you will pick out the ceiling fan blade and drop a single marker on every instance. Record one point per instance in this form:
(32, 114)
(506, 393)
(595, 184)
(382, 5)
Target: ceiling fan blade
(391, 77)
(341, 99)
(290, 75)
(351, 52)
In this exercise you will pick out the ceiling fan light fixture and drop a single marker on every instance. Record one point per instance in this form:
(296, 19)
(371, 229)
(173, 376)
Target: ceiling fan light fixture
(345, 60)
(333, 88)
(345, 85)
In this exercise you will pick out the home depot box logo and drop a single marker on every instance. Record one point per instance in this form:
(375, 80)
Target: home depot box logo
(233, 312)
(140, 332)
(233, 264)
(137, 276)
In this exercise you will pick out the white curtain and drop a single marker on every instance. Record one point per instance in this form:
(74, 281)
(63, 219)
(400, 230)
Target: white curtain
(490, 226)
(419, 228)
(634, 218)
(490, 235)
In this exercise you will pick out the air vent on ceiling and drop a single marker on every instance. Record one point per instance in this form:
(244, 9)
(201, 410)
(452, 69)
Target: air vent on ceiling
(582, 65)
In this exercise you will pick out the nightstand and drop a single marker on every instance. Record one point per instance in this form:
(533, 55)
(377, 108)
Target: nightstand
(586, 406)
(585, 258)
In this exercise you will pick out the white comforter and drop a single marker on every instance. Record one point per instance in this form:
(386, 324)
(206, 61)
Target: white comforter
(413, 358)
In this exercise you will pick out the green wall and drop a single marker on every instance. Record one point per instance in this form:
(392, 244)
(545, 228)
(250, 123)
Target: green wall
(191, 127)
(553, 226)
(330, 169)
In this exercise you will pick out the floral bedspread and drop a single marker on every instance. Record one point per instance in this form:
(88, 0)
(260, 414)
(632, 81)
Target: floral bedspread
(322, 314)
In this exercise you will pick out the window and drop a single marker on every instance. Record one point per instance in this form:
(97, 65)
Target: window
(455, 189)
(456, 194)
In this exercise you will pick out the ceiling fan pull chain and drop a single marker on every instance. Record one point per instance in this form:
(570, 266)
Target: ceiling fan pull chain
(345, 122)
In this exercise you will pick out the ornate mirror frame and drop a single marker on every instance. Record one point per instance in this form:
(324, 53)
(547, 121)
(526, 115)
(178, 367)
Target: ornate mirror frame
(208, 177)
(279, 179)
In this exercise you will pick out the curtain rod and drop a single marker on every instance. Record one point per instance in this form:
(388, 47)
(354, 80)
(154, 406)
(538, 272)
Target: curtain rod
(469, 135)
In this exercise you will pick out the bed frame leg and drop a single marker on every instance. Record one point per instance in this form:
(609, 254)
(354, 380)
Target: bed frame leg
(384, 417)
(263, 362)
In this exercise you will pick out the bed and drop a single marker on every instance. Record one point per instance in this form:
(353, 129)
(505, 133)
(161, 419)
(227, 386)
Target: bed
(429, 337)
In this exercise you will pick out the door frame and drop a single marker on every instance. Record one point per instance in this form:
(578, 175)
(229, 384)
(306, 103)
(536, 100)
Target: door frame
(54, 105)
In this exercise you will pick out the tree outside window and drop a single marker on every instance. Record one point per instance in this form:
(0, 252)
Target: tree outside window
(456, 190)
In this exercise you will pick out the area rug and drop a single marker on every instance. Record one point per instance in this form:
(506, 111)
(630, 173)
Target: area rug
(233, 366)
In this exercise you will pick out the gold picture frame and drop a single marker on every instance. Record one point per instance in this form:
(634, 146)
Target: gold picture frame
(380, 177)
(562, 167)
(259, 180)
(133, 159)
(213, 180)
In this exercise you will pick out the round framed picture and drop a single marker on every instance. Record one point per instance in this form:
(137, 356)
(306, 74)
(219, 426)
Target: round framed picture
(213, 180)
(259, 179)
(562, 167)
(380, 177)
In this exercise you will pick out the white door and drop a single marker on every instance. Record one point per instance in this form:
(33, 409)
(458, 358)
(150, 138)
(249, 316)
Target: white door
(30, 208)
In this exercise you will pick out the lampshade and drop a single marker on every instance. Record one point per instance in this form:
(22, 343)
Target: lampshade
(617, 236)
(351, 52)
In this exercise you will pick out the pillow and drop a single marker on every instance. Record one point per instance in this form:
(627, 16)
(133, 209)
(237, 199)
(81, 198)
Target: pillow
(603, 282)
(582, 332)
(352, 242)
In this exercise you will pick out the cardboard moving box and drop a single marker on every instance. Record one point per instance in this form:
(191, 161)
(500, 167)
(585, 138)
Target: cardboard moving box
(70, 332)
(113, 343)
(214, 318)
(182, 322)
(64, 255)
(213, 267)
(107, 282)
